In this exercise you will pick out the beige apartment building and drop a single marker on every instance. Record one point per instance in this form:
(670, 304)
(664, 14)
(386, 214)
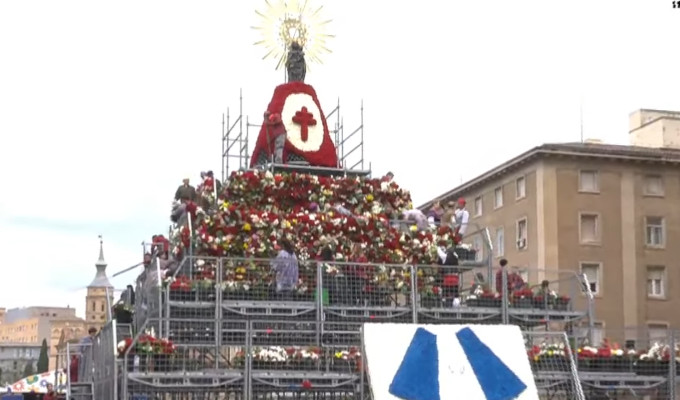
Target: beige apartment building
(611, 212)
(30, 325)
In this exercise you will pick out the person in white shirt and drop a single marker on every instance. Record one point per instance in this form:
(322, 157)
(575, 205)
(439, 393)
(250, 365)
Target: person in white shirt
(461, 217)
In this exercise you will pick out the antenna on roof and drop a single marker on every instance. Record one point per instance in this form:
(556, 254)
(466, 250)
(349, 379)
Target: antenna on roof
(581, 116)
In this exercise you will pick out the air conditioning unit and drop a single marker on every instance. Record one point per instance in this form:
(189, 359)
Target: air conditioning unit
(521, 243)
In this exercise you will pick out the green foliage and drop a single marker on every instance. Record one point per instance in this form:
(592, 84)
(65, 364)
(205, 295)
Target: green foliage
(43, 358)
(28, 370)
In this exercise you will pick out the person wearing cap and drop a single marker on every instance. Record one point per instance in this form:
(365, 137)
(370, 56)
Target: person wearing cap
(461, 217)
(185, 192)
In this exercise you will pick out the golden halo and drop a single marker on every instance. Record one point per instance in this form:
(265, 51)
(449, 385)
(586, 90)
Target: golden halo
(286, 21)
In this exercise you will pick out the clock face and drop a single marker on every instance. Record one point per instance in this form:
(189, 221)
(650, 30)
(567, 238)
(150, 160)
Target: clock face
(302, 119)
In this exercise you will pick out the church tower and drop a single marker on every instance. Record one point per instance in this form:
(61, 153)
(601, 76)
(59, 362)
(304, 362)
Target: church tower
(99, 294)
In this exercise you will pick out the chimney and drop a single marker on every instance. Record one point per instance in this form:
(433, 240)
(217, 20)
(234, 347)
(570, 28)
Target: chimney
(655, 128)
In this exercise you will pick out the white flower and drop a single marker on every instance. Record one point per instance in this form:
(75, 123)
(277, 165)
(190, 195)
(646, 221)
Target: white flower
(121, 346)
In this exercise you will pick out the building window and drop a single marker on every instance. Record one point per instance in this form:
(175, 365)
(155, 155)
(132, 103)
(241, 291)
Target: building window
(521, 233)
(589, 228)
(589, 182)
(94, 306)
(655, 231)
(498, 197)
(500, 242)
(653, 186)
(478, 245)
(478, 206)
(656, 281)
(520, 188)
(593, 274)
(658, 333)
(102, 307)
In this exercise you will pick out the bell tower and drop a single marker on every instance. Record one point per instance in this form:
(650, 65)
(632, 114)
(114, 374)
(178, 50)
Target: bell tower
(99, 297)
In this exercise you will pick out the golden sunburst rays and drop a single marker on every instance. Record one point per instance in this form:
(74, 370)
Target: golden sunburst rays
(283, 22)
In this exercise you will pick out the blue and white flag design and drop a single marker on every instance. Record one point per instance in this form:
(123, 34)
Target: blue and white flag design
(439, 362)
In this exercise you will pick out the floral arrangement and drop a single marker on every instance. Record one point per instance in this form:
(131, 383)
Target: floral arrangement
(277, 357)
(659, 353)
(544, 350)
(147, 344)
(281, 355)
(256, 208)
(523, 294)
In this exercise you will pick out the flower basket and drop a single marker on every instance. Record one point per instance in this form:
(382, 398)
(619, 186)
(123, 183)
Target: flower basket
(540, 302)
(162, 363)
(585, 364)
(122, 315)
(431, 301)
(182, 295)
(620, 364)
(344, 366)
(490, 301)
(522, 302)
(652, 367)
(562, 303)
(474, 302)
(553, 363)
(267, 365)
(466, 254)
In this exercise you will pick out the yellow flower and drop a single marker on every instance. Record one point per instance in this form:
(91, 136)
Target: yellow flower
(224, 205)
(369, 197)
(245, 246)
(414, 228)
(338, 354)
(420, 272)
(535, 358)
(246, 227)
(240, 270)
(286, 224)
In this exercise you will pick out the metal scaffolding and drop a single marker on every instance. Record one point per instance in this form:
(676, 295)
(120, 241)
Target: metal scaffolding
(236, 136)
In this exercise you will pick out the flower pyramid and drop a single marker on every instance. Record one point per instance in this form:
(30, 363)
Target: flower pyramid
(254, 209)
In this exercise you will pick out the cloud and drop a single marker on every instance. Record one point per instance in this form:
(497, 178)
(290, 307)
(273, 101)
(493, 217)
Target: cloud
(50, 265)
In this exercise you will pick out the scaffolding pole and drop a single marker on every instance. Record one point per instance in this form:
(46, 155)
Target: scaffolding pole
(236, 134)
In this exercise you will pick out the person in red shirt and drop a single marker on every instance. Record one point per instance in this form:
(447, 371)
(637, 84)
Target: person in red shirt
(515, 282)
(51, 394)
(73, 369)
(276, 131)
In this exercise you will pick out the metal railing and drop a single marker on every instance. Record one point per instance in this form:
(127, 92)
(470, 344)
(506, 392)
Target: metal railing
(96, 363)
(347, 288)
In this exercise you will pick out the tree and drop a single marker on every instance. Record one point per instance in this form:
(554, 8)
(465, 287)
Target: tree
(28, 370)
(43, 358)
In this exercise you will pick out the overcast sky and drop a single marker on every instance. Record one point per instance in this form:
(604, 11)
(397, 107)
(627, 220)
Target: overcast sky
(105, 106)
